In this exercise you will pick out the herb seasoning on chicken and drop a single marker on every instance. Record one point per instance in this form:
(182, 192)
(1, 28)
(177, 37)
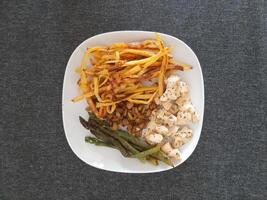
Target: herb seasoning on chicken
(168, 123)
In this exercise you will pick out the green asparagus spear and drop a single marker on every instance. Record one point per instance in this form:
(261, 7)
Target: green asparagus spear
(163, 157)
(134, 140)
(152, 160)
(84, 122)
(109, 139)
(92, 140)
(97, 142)
(98, 135)
(138, 147)
(147, 152)
(111, 133)
(106, 138)
(130, 138)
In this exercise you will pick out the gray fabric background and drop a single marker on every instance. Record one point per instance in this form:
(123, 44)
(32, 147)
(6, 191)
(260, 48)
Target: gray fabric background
(37, 38)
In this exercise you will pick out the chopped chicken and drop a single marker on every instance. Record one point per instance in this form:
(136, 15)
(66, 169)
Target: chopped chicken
(164, 97)
(177, 142)
(184, 117)
(173, 130)
(171, 120)
(150, 128)
(185, 132)
(174, 154)
(167, 104)
(165, 117)
(191, 109)
(172, 91)
(171, 152)
(166, 148)
(163, 130)
(154, 138)
(157, 101)
(183, 89)
(173, 82)
(182, 137)
(181, 101)
(174, 109)
(187, 114)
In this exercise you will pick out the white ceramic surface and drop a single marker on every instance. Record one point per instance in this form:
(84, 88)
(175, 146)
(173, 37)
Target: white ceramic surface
(107, 158)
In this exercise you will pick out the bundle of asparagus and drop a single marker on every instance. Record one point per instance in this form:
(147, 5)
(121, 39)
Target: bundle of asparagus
(128, 145)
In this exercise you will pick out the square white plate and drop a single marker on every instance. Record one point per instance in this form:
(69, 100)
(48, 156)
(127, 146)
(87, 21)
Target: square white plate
(107, 158)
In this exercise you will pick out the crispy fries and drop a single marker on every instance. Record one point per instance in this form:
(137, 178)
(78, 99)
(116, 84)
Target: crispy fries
(118, 74)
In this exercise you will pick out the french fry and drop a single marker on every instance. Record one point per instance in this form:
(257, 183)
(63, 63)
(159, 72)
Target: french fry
(111, 108)
(145, 60)
(153, 60)
(117, 55)
(108, 57)
(128, 56)
(83, 82)
(102, 112)
(82, 96)
(98, 105)
(119, 45)
(142, 101)
(159, 42)
(142, 89)
(92, 106)
(179, 67)
(133, 70)
(104, 81)
(137, 52)
(142, 96)
(162, 75)
(96, 88)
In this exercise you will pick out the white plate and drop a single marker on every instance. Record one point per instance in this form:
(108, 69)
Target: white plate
(107, 158)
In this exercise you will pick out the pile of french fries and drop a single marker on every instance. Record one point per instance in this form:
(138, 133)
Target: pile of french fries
(130, 72)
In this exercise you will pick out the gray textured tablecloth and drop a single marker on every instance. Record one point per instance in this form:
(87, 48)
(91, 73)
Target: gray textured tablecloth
(37, 39)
